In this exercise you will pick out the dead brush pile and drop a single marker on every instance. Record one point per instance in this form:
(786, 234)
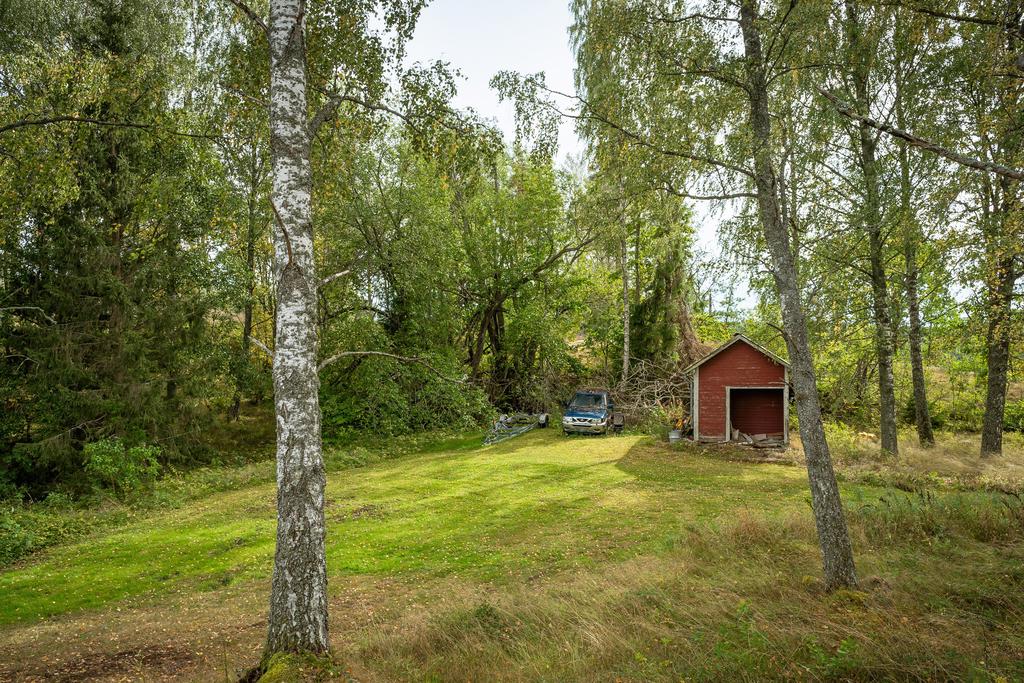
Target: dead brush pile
(653, 394)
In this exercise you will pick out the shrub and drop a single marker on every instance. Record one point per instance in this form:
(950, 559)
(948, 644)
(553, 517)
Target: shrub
(390, 398)
(1013, 419)
(842, 441)
(59, 500)
(654, 422)
(111, 465)
(15, 540)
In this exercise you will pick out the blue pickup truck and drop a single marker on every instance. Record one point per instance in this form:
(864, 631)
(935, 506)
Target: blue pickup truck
(591, 412)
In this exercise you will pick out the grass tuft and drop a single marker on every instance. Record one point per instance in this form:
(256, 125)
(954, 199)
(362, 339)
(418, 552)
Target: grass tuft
(926, 516)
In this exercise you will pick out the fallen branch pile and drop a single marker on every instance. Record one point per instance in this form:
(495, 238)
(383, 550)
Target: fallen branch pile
(652, 386)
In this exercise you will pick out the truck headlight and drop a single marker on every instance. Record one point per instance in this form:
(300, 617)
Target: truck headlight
(566, 420)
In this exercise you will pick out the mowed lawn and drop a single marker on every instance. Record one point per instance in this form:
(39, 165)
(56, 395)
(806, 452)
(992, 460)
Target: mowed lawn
(543, 558)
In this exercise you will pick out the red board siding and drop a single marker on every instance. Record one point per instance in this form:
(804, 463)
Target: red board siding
(738, 366)
(756, 411)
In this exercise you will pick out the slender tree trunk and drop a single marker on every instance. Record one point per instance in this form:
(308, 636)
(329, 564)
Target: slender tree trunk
(999, 305)
(922, 416)
(911, 237)
(624, 264)
(1003, 250)
(871, 215)
(236, 404)
(636, 263)
(298, 599)
(247, 311)
(833, 536)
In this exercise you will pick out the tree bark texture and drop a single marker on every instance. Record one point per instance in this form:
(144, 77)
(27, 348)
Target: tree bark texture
(624, 264)
(1003, 250)
(298, 600)
(871, 217)
(999, 308)
(911, 238)
(833, 536)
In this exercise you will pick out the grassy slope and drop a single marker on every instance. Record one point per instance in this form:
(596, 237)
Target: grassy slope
(541, 558)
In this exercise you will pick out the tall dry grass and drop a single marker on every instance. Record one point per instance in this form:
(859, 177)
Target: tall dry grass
(954, 455)
(739, 599)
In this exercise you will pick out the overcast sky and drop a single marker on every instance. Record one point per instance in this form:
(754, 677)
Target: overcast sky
(483, 37)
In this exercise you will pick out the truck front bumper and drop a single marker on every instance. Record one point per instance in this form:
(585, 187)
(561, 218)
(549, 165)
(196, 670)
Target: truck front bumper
(574, 427)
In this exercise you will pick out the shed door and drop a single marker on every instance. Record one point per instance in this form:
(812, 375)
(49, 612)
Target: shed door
(756, 411)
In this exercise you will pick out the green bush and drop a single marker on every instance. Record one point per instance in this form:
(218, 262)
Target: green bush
(842, 441)
(655, 422)
(1013, 419)
(15, 540)
(390, 398)
(110, 465)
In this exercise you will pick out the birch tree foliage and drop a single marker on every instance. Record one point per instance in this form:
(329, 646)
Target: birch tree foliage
(710, 84)
(992, 101)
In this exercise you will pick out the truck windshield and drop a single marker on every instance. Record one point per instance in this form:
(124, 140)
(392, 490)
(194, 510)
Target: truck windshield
(587, 402)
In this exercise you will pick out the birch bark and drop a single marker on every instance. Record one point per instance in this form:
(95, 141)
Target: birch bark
(298, 599)
(871, 216)
(833, 536)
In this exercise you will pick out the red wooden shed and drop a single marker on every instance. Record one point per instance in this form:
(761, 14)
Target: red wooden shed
(739, 386)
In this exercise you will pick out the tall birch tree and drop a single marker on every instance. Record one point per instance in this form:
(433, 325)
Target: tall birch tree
(863, 43)
(298, 595)
(689, 75)
(351, 60)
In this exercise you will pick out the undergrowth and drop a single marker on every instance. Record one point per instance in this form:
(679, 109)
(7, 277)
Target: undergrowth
(897, 516)
(27, 527)
(740, 600)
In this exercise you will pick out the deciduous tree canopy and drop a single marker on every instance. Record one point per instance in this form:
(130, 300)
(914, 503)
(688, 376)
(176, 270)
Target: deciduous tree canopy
(211, 206)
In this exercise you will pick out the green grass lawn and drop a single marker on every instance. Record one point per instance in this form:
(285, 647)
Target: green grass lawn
(544, 558)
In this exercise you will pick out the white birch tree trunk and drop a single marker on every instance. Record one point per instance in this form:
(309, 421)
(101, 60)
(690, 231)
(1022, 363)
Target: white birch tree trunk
(298, 598)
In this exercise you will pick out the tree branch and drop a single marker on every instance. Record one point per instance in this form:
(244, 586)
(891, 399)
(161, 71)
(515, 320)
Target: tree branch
(403, 359)
(964, 18)
(99, 122)
(262, 347)
(591, 112)
(334, 101)
(30, 308)
(248, 11)
(331, 278)
(664, 19)
(921, 143)
(709, 197)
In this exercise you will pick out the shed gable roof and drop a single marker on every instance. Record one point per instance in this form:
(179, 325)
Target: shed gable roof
(737, 338)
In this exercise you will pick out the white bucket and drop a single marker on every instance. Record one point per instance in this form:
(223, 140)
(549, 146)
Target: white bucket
(675, 435)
